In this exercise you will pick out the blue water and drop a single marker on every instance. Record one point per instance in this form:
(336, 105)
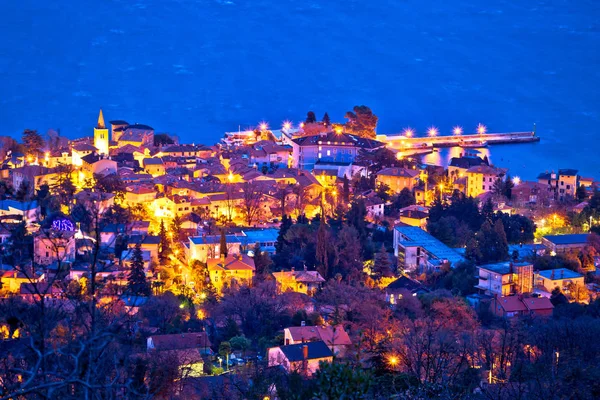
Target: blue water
(199, 68)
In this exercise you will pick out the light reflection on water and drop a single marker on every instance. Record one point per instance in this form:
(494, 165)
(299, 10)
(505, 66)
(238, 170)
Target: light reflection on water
(443, 156)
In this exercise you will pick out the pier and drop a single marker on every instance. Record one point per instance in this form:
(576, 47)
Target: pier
(400, 142)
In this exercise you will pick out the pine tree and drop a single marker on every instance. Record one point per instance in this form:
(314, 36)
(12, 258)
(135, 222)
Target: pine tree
(310, 118)
(223, 244)
(323, 249)
(382, 266)
(32, 141)
(137, 284)
(164, 248)
(346, 189)
(176, 227)
(501, 241)
(326, 120)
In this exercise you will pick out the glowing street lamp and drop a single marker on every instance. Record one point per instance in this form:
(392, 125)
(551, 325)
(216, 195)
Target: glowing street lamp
(408, 132)
(481, 129)
(230, 177)
(263, 126)
(287, 125)
(433, 131)
(301, 125)
(339, 130)
(457, 130)
(516, 180)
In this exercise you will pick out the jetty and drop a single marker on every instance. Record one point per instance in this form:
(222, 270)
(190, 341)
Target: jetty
(401, 142)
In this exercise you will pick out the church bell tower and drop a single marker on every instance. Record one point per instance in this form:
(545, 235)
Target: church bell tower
(101, 135)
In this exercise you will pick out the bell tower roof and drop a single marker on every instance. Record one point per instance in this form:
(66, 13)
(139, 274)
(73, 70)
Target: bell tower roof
(101, 121)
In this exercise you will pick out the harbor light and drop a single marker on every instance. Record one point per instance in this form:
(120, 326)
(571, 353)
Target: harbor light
(457, 130)
(433, 131)
(408, 132)
(481, 129)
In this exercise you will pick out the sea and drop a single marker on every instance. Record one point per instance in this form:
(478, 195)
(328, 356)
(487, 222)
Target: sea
(199, 68)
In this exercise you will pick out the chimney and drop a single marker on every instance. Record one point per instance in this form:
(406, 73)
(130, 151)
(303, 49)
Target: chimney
(305, 268)
(293, 269)
(199, 340)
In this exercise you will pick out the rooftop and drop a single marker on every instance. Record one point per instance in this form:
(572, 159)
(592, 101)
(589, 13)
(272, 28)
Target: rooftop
(293, 352)
(559, 273)
(415, 236)
(574, 238)
(502, 267)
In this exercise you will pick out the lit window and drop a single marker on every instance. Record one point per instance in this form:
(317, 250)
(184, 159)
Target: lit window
(328, 152)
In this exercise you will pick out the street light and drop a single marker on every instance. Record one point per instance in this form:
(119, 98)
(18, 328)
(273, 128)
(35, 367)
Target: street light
(457, 130)
(287, 125)
(433, 131)
(263, 126)
(408, 132)
(481, 129)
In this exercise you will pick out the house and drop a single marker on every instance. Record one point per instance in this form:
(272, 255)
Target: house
(568, 181)
(266, 238)
(80, 150)
(375, 207)
(418, 251)
(458, 166)
(93, 164)
(135, 135)
(562, 185)
(224, 271)
(17, 211)
(508, 306)
(414, 217)
(539, 306)
(203, 247)
(555, 244)
(147, 243)
(329, 147)
(50, 246)
(12, 281)
(154, 166)
(401, 286)
(111, 233)
(326, 177)
(505, 278)
(267, 153)
(530, 192)
(303, 358)
(481, 179)
(186, 348)
(398, 178)
(307, 282)
(561, 278)
(335, 337)
(33, 176)
(515, 306)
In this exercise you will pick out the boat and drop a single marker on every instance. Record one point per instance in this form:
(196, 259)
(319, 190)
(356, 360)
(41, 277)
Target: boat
(473, 145)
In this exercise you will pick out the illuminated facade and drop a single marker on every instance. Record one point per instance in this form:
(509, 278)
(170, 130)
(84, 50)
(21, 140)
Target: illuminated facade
(101, 135)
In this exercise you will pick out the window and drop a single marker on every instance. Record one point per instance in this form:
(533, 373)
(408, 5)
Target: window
(328, 152)
(320, 155)
(568, 187)
(483, 187)
(562, 183)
